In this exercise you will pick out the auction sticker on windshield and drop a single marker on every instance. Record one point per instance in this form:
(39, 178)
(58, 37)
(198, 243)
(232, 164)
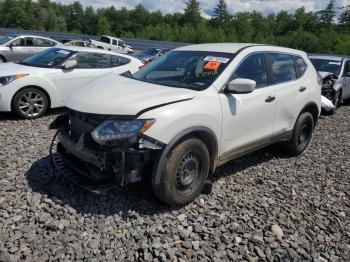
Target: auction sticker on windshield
(212, 65)
(223, 60)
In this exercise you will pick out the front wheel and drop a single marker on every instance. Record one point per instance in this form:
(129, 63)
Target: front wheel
(184, 173)
(302, 134)
(30, 103)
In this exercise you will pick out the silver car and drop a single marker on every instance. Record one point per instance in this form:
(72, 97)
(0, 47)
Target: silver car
(19, 47)
(335, 71)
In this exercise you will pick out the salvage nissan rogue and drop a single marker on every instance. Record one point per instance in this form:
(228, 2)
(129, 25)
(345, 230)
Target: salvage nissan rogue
(182, 116)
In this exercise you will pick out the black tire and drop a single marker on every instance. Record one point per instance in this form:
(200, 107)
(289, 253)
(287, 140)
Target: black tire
(336, 101)
(184, 173)
(302, 134)
(30, 103)
(2, 60)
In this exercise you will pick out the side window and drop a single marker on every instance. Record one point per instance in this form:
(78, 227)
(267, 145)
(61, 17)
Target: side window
(18, 42)
(29, 41)
(88, 60)
(114, 42)
(119, 61)
(283, 68)
(254, 68)
(301, 65)
(41, 42)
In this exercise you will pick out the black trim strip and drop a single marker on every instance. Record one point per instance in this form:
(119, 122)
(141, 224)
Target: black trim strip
(160, 105)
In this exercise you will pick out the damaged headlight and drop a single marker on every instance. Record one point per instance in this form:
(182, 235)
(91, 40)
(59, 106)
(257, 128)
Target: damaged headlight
(5, 80)
(112, 130)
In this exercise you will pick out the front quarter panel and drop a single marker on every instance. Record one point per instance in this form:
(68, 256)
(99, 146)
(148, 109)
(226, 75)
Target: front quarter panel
(8, 92)
(174, 119)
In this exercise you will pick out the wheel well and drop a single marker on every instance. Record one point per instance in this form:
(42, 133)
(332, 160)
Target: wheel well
(313, 110)
(37, 87)
(209, 140)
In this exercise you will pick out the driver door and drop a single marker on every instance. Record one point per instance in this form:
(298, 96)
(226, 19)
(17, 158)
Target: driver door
(248, 118)
(89, 66)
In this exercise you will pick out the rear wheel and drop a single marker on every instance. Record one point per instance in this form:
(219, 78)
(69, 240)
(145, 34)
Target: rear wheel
(30, 103)
(302, 134)
(184, 173)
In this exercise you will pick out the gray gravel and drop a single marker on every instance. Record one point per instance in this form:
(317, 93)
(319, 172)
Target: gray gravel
(265, 207)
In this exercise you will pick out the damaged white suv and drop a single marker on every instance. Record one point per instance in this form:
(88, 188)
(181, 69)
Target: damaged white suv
(187, 113)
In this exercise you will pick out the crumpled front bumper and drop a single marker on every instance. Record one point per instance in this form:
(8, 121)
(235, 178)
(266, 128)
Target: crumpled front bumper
(120, 165)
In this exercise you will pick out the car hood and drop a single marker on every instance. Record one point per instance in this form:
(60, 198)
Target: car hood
(9, 69)
(117, 95)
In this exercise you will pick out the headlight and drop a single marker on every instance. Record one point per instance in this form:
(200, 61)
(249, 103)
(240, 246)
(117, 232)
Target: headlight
(5, 80)
(112, 130)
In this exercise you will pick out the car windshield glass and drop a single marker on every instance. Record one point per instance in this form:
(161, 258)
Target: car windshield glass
(194, 70)
(325, 65)
(49, 58)
(151, 51)
(5, 39)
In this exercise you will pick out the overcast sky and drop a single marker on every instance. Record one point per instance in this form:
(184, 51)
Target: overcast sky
(172, 6)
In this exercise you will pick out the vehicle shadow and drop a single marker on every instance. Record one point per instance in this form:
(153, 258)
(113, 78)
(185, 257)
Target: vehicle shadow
(8, 116)
(124, 201)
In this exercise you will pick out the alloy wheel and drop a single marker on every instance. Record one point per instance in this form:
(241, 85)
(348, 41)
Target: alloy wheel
(31, 104)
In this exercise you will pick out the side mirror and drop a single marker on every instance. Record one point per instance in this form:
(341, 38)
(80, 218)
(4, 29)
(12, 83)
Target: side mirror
(241, 86)
(11, 45)
(70, 64)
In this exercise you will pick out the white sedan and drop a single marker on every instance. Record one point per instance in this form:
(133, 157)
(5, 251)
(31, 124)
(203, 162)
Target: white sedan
(29, 88)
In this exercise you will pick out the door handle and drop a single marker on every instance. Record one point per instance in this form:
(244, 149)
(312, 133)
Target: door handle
(302, 89)
(270, 99)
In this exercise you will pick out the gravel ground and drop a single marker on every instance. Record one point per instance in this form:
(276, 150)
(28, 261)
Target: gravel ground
(263, 207)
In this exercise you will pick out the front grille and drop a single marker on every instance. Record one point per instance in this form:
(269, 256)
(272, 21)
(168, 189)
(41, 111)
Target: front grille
(81, 123)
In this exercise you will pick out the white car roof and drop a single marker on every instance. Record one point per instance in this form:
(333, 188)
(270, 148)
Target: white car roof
(36, 36)
(235, 47)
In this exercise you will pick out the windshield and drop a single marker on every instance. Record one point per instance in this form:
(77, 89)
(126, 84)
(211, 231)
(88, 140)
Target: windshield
(325, 65)
(151, 51)
(5, 39)
(195, 70)
(48, 59)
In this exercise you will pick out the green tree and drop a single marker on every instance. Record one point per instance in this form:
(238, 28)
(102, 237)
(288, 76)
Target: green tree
(192, 13)
(103, 27)
(221, 14)
(345, 16)
(326, 17)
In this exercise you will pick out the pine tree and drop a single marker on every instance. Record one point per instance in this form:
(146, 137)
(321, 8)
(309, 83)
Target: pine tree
(221, 13)
(192, 13)
(345, 16)
(326, 16)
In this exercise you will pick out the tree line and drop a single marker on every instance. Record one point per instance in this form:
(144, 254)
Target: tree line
(322, 31)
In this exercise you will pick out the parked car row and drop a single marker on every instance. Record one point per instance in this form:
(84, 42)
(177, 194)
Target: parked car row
(175, 117)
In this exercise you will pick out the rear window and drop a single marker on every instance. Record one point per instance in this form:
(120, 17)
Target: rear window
(300, 65)
(283, 68)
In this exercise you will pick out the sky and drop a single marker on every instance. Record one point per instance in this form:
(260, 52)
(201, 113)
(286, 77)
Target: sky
(172, 6)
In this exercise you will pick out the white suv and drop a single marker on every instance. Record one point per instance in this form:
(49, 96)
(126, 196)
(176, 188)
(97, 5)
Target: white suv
(187, 113)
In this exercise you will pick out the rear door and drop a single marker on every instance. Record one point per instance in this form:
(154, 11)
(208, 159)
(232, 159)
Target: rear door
(292, 89)
(90, 66)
